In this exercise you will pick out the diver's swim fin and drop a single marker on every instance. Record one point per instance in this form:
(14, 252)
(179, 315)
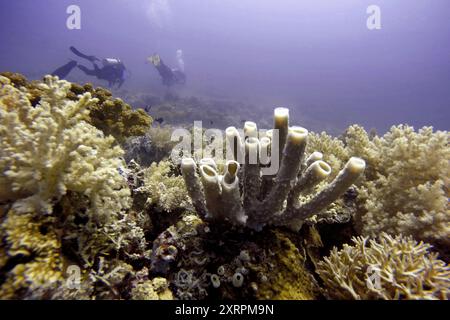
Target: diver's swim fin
(82, 55)
(64, 71)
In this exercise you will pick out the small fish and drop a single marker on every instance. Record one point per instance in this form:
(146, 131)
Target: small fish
(159, 120)
(211, 122)
(147, 108)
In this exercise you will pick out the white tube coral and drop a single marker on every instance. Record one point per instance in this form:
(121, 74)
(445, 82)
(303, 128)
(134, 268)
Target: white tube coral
(231, 197)
(195, 191)
(211, 186)
(351, 172)
(235, 148)
(252, 179)
(290, 165)
(281, 123)
(264, 199)
(316, 172)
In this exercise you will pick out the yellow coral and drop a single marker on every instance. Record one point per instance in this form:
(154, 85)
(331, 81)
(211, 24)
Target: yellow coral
(36, 250)
(287, 276)
(116, 118)
(166, 190)
(391, 268)
(156, 289)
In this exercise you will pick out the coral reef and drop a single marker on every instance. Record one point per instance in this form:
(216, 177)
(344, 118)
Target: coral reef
(77, 221)
(37, 269)
(164, 187)
(291, 280)
(390, 268)
(109, 114)
(210, 261)
(48, 150)
(183, 111)
(156, 289)
(404, 190)
(154, 146)
(114, 117)
(63, 196)
(218, 197)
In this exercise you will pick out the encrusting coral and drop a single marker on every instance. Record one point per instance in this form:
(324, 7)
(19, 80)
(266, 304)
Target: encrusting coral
(218, 197)
(389, 268)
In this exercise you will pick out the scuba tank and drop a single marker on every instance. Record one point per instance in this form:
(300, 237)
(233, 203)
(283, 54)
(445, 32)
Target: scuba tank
(111, 62)
(180, 60)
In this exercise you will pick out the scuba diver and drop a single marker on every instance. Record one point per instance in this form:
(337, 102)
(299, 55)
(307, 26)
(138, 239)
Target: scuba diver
(112, 70)
(169, 76)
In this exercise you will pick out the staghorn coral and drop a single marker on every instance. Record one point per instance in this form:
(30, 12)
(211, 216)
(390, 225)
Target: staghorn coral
(164, 187)
(405, 186)
(218, 197)
(390, 268)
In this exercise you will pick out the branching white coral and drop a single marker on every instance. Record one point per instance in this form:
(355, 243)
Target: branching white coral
(390, 268)
(47, 150)
(404, 191)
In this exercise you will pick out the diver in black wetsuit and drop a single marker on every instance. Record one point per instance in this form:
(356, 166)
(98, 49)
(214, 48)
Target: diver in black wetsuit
(169, 76)
(113, 70)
